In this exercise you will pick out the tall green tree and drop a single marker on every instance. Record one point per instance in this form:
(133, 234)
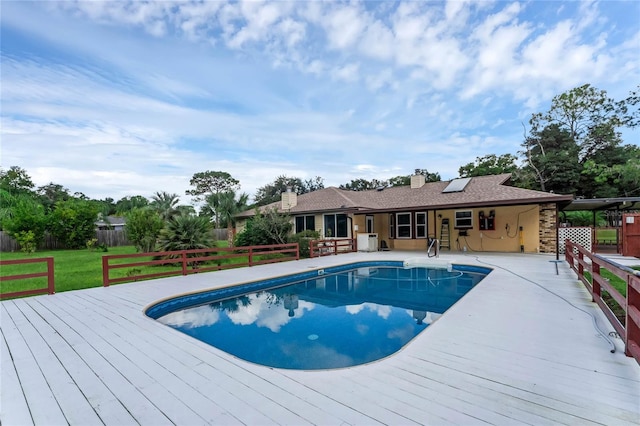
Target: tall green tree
(165, 204)
(16, 181)
(210, 183)
(271, 192)
(130, 202)
(364, 185)
(72, 222)
(21, 214)
(553, 157)
(143, 228)
(52, 193)
(490, 164)
(588, 114)
(406, 180)
(228, 206)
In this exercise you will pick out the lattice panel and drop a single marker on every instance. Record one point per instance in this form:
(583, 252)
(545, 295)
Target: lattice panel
(578, 235)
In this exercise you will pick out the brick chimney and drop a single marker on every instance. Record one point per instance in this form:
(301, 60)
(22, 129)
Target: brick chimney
(289, 199)
(417, 181)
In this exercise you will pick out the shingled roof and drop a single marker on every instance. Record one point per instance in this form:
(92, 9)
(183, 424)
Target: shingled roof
(482, 191)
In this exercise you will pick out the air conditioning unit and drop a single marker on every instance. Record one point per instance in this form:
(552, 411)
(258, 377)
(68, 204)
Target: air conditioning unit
(367, 242)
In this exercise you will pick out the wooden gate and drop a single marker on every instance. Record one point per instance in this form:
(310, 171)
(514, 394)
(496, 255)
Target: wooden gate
(631, 234)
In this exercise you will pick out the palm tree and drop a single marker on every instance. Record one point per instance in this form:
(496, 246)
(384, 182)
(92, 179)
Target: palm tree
(185, 232)
(165, 204)
(227, 207)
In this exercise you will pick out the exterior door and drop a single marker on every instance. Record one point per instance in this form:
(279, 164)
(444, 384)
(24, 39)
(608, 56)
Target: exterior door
(369, 224)
(631, 234)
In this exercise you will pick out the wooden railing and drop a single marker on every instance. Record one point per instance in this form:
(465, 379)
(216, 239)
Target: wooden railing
(581, 260)
(50, 288)
(334, 246)
(195, 261)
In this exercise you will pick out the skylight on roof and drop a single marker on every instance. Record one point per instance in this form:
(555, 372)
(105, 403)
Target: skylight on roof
(457, 185)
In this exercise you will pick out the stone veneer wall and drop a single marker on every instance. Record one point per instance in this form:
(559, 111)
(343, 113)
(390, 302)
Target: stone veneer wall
(547, 228)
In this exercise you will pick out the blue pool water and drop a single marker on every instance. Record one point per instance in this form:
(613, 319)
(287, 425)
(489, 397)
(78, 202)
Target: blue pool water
(332, 318)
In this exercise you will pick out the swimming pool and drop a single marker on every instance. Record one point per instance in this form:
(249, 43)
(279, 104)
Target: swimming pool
(322, 319)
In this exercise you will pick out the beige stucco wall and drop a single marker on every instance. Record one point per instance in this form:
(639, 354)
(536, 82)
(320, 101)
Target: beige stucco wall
(501, 239)
(537, 221)
(505, 237)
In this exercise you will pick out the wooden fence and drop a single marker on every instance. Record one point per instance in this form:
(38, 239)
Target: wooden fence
(195, 261)
(581, 260)
(334, 246)
(50, 288)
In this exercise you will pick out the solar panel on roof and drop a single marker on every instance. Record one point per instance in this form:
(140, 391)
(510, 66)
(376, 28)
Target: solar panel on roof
(457, 185)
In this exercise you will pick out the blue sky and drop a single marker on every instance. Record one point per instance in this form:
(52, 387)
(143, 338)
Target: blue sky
(124, 98)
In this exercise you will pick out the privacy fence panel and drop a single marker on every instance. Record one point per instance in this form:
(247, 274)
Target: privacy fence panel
(582, 235)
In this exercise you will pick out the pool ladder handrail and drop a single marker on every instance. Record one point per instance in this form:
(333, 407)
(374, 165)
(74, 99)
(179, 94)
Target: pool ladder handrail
(435, 243)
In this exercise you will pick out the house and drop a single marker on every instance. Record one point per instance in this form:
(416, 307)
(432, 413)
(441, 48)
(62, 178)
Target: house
(469, 214)
(115, 223)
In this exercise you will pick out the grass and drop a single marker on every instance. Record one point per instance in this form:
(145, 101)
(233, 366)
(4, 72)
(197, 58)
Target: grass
(73, 269)
(78, 269)
(617, 283)
(606, 235)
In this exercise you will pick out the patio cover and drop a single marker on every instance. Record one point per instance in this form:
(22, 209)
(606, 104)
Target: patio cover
(593, 204)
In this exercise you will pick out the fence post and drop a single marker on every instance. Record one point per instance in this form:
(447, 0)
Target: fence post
(51, 287)
(632, 320)
(105, 271)
(251, 256)
(580, 264)
(183, 253)
(595, 285)
(297, 251)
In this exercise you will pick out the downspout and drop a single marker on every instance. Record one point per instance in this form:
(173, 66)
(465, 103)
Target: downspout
(557, 234)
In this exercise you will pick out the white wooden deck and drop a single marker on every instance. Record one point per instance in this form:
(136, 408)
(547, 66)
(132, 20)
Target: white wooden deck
(508, 353)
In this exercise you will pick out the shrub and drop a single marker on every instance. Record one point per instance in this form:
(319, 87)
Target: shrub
(27, 241)
(142, 228)
(72, 222)
(185, 232)
(303, 239)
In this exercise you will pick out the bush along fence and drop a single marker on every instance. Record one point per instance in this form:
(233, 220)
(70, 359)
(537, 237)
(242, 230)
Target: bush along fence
(581, 260)
(50, 288)
(185, 262)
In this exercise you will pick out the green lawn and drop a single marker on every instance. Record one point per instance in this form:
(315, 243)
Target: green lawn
(77, 269)
(608, 235)
(73, 269)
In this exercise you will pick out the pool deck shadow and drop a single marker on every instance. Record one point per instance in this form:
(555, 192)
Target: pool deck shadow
(520, 348)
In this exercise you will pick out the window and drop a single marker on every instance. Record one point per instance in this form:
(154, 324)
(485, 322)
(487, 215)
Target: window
(421, 225)
(403, 225)
(305, 223)
(392, 226)
(464, 219)
(335, 225)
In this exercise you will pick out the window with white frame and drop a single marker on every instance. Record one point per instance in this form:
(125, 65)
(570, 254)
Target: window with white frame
(305, 223)
(403, 225)
(421, 225)
(463, 219)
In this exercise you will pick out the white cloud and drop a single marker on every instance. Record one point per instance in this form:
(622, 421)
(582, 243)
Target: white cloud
(344, 25)
(126, 98)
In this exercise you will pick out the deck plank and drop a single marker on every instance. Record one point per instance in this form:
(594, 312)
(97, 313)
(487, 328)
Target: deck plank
(12, 395)
(39, 396)
(510, 352)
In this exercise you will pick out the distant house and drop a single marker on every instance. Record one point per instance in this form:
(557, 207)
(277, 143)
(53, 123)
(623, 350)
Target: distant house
(471, 214)
(115, 223)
